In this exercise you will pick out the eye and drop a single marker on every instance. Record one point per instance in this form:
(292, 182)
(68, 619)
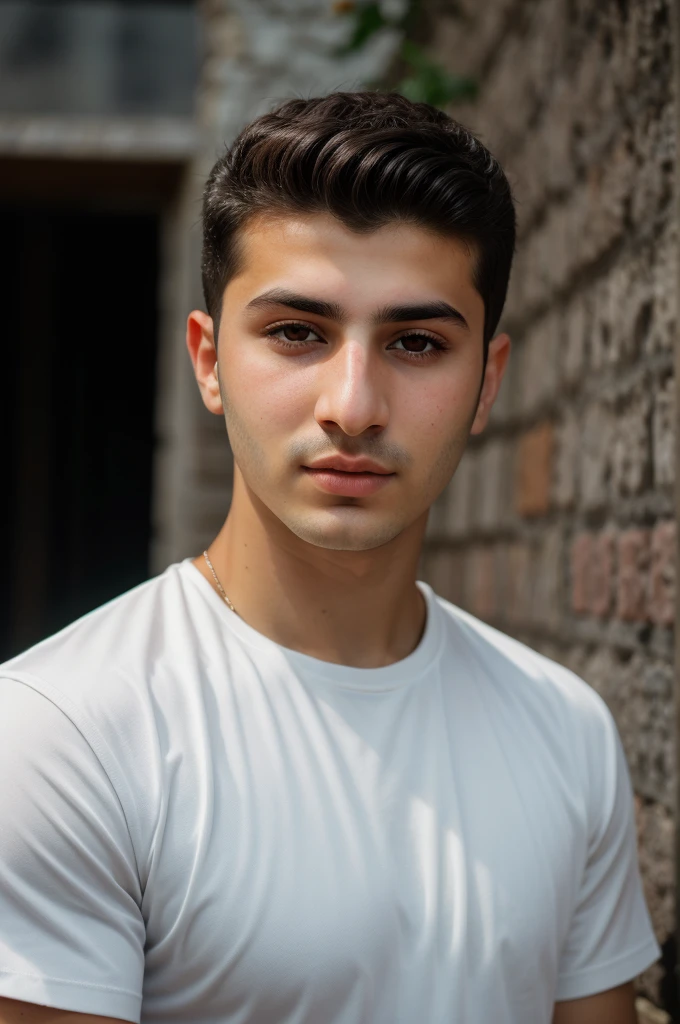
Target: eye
(294, 334)
(417, 345)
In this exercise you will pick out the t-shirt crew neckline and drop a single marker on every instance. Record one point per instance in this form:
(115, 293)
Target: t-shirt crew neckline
(388, 677)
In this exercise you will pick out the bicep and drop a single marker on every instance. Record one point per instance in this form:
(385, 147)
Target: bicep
(615, 1006)
(13, 1011)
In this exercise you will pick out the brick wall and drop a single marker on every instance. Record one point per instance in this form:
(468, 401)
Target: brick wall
(559, 525)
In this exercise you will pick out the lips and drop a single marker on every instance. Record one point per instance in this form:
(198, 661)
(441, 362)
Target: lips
(348, 477)
(347, 464)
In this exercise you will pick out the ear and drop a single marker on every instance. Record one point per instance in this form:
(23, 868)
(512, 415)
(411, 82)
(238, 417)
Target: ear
(201, 345)
(497, 360)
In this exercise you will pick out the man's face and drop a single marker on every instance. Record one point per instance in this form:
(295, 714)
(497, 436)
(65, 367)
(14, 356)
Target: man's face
(350, 368)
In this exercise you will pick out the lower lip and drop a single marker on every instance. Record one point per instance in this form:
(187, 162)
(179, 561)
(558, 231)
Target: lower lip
(349, 485)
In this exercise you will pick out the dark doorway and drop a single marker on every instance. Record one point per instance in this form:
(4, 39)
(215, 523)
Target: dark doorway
(79, 295)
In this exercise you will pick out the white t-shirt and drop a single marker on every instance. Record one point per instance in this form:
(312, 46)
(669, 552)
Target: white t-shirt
(200, 826)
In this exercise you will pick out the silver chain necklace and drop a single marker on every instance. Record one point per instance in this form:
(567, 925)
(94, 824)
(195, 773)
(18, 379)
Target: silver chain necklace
(218, 584)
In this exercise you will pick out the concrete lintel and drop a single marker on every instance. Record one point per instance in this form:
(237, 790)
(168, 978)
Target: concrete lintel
(157, 139)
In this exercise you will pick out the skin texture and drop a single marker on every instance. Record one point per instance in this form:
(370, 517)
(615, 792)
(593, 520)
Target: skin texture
(613, 1007)
(330, 575)
(12, 1011)
(617, 1006)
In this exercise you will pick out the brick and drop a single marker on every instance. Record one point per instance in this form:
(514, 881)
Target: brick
(662, 574)
(567, 455)
(653, 144)
(518, 584)
(438, 515)
(460, 496)
(596, 437)
(443, 570)
(581, 553)
(539, 364)
(592, 573)
(662, 259)
(601, 576)
(663, 433)
(547, 579)
(633, 567)
(577, 328)
(493, 483)
(622, 313)
(534, 471)
(481, 583)
(630, 455)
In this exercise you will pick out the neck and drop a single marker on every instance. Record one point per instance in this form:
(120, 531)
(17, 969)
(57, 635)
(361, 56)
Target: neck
(356, 608)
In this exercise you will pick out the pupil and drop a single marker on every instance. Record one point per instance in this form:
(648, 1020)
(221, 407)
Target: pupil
(414, 344)
(295, 333)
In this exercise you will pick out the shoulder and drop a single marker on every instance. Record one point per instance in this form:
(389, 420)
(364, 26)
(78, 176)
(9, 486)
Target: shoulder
(99, 671)
(87, 696)
(525, 684)
(122, 638)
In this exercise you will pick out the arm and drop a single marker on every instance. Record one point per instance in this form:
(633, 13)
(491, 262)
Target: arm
(616, 1006)
(71, 929)
(12, 1011)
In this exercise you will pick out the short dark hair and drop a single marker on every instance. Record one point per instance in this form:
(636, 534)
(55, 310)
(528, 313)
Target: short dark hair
(367, 158)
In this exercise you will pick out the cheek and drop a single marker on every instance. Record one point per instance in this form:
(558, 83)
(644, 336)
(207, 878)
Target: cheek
(436, 413)
(265, 394)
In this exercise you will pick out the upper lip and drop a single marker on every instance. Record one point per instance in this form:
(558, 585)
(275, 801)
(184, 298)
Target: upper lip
(347, 464)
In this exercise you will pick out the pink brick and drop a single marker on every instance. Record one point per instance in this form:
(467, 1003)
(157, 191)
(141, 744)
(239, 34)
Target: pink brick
(631, 598)
(601, 575)
(581, 554)
(662, 574)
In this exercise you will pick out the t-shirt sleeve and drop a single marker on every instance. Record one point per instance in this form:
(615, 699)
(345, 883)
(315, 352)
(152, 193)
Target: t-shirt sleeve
(610, 939)
(71, 929)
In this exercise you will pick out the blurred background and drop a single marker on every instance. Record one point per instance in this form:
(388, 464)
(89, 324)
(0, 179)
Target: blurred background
(560, 525)
(97, 124)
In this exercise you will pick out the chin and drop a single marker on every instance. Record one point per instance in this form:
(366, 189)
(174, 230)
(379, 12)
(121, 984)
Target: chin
(344, 529)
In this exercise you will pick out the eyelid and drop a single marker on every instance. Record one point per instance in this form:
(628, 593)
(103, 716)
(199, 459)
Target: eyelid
(292, 323)
(409, 332)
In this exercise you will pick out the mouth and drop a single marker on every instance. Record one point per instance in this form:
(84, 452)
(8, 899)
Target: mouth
(359, 483)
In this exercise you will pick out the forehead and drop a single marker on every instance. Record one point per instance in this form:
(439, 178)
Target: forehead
(317, 253)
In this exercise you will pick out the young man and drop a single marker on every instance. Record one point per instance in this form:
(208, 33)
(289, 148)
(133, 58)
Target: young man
(283, 783)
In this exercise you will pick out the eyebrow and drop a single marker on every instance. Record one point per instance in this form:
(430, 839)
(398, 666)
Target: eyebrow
(304, 304)
(437, 310)
(420, 311)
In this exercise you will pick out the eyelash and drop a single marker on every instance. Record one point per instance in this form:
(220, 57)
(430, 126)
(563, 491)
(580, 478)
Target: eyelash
(438, 346)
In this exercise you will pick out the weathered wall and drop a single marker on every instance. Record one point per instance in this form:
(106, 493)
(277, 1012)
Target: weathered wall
(558, 526)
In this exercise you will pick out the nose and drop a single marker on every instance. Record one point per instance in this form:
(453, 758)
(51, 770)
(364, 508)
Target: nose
(352, 396)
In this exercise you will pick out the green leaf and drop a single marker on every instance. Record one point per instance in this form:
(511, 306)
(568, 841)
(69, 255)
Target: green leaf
(430, 83)
(369, 19)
